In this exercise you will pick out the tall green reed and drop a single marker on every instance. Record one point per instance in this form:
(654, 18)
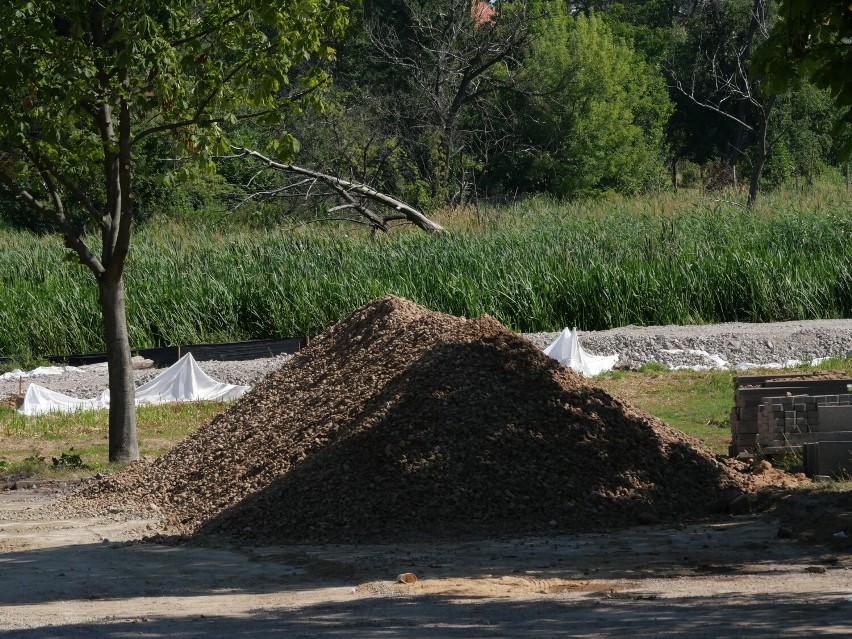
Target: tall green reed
(542, 267)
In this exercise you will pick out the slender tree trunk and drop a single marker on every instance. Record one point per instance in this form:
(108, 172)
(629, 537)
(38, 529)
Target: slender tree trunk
(762, 154)
(737, 146)
(122, 390)
(447, 152)
(674, 174)
(757, 169)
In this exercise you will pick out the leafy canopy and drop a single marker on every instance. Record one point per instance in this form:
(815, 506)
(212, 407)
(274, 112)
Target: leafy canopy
(811, 41)
(186, 67)
(596, 110)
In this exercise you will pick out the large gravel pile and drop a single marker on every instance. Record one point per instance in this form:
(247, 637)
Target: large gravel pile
(402, 423)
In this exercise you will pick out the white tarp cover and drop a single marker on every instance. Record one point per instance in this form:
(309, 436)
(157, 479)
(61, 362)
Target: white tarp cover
(567, 350)
(184, 381)
(40, 400)
(716, 361)
(40, 371)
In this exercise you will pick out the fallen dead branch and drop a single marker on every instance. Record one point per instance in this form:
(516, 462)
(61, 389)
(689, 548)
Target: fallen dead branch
(354, 196)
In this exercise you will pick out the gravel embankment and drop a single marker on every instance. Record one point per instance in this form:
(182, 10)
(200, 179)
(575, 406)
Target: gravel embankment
(733, 342)
(91, 381)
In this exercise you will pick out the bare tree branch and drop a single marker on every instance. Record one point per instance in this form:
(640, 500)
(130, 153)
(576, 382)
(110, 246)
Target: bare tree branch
(450, 58)
(72, 238)
(74, 189)
(205, 32)
(345, 189)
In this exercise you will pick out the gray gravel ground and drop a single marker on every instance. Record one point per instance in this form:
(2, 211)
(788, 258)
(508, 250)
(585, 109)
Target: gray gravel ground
(92, 380)
(636, 345)
(735, 342)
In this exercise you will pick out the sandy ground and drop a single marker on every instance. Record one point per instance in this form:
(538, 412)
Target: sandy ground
(727, 578)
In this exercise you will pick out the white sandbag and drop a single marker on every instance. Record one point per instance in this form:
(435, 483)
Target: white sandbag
(567, 351)
(714, 361)
(184, 381)
(704, 360)
(790, 363)
(53, 370)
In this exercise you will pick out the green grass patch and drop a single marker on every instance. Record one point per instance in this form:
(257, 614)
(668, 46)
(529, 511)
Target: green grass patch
(85, 433)
(697, 403)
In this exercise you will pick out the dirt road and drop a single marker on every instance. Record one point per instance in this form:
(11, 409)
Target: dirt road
(728, 578)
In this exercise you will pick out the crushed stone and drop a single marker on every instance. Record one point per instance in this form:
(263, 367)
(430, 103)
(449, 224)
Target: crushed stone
(670, 346)
(771, 344)
(400, 423)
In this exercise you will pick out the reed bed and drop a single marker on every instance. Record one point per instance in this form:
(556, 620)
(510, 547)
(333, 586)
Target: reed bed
(535, 266)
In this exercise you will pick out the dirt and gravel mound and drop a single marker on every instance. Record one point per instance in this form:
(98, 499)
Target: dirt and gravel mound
(12, 401)
(402, 423)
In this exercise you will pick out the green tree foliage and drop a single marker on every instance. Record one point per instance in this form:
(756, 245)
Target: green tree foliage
(594, 114)
(646, 24)
(451, 61)
(84, 84)
(812, 40)
(802, 141)
(546, 122)
(708, 64)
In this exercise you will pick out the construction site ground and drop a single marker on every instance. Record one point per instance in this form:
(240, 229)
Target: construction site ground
(732, 576)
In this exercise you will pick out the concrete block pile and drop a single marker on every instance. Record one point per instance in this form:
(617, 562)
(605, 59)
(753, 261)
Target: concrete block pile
(798, 419)
(774, 413)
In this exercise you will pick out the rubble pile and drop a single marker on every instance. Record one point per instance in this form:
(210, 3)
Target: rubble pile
(399, 423)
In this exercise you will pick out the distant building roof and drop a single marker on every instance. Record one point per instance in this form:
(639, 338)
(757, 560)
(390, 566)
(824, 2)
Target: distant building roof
(482, 12)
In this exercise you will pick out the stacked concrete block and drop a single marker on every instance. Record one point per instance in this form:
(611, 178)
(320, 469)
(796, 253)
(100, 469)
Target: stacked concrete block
(795, 420)
(835, 417)
(832, 457)
(779, 417)
(774, 412)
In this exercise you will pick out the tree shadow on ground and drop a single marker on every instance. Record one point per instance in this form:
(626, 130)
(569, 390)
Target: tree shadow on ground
(435, 617)
(735, 548)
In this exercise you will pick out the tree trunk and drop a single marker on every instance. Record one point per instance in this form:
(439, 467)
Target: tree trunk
(674, 174)
(446, 139)
(754, 180)
(762, 153)
(122, 390)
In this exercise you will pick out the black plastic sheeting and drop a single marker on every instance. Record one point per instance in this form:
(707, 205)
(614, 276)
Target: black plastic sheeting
(226, 351)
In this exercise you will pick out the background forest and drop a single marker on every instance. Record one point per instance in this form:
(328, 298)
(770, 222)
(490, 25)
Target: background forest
(446, 102)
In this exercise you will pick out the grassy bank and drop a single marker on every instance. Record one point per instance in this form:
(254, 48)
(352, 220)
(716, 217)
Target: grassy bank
(29, 445)
(535, 266)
